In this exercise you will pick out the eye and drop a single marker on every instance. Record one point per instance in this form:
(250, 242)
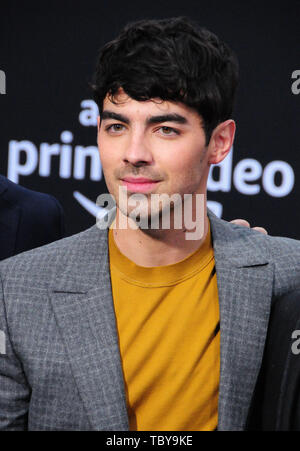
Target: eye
(168, 131)
(114, 128)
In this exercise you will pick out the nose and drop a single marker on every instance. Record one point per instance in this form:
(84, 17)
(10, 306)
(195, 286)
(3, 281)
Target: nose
(137, 151)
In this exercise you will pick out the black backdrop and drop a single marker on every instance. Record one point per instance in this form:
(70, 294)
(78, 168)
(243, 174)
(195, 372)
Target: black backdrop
(48, 52)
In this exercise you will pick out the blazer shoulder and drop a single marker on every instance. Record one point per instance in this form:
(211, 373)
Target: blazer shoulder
(241, 243)
(278, 250)
(244, 247)
(41, 263)
(282, 252)
(285, 255)
(282, 247)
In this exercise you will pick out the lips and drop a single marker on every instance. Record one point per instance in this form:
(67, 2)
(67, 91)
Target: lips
(139, 185)
(139, 180)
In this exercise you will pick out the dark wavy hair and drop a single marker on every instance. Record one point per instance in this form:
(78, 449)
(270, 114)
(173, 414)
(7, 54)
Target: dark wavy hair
(170, 59)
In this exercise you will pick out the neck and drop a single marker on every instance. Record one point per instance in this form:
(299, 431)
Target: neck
(159, 247)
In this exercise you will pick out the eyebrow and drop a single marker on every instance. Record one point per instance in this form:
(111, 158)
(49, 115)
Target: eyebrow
(111, 115)
(173, 117)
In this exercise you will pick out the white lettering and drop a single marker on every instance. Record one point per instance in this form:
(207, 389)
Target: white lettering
(46, 152)
(103, 218)
(247, 170)
(65, 162)
(296, 85)
(81, 154)
(2, 82)
(88, 116)
(15, 167)
(288, 178)
(2, 342)
(200, 215)
(296, 335)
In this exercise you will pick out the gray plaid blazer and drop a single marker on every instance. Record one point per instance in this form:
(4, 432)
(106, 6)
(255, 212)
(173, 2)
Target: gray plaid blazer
(60, 367)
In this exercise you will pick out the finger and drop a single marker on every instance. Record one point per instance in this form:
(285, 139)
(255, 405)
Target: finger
(260, 229)
(241, 222)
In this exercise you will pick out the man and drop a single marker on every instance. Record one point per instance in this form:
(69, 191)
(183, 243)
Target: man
(141, 327)
(28, 219)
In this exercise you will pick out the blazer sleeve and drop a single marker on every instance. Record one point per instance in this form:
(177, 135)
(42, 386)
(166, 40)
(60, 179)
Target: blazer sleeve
(14, 389)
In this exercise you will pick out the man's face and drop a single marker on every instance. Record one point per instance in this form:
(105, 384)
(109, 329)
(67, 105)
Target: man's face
(158, 140)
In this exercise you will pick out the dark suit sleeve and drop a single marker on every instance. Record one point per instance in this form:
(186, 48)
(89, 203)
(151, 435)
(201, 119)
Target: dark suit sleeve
(61, 229)
(14, 390)
(41, 222)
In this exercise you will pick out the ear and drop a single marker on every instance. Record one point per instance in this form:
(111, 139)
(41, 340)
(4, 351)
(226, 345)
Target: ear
(98, 122)
(221, 141)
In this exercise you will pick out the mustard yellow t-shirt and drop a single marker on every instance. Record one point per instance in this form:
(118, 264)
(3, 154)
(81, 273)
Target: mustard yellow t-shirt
(168, 325)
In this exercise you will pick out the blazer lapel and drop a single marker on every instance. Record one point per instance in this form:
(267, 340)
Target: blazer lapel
(245, 280)
(82, 300)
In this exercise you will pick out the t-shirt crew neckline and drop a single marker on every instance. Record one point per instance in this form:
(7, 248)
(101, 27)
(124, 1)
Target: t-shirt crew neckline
(158, 276)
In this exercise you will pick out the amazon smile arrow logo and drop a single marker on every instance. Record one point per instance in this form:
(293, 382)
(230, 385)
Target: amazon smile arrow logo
(89, 205)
